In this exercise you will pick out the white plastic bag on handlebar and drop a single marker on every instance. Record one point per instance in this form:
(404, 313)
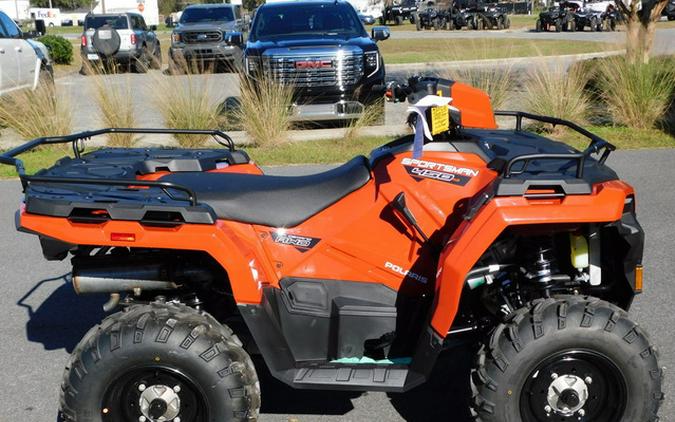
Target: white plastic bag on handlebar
(421, 128)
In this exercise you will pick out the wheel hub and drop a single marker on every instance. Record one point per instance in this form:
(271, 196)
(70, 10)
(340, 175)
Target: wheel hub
(567, 394)
(159, 403)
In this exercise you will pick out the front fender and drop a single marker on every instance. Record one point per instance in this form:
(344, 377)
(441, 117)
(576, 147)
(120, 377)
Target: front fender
(473, 237)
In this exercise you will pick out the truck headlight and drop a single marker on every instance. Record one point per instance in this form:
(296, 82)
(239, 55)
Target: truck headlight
(175, 37)
(252, 64)
(372, 62)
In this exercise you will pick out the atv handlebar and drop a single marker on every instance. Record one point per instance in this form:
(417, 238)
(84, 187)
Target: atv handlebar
(420, 86)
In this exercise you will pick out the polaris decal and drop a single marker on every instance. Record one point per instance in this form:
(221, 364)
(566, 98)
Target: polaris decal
(421, 169)
(405, 273)
(300, 243)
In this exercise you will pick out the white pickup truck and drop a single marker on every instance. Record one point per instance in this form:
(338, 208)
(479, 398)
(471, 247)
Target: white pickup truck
(23, 62)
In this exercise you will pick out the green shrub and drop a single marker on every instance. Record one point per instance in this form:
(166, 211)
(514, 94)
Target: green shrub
(554, 91)
(60, 49)
(637, 95)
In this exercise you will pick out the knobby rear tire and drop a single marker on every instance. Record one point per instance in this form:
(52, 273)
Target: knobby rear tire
(173, 337)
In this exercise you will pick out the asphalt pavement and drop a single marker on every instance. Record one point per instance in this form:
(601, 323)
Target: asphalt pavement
(42, 320)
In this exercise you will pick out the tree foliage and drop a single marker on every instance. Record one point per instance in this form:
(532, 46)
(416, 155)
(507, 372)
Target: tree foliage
(62, 4)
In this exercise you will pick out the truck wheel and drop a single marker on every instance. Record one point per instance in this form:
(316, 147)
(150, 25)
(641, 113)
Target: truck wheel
(156, 62)
(46, 76)
(567, 359)
(160, 362)
(399, 20)
(142, 62)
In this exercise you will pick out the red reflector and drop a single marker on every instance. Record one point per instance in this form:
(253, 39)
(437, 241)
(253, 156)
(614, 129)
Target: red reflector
(133, 38)
(84, 40)
(123, 237)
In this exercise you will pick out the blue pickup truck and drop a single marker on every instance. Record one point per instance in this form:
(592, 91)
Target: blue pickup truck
(323, 50)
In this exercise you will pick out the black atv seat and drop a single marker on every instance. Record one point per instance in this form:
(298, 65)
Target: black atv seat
(277, 201)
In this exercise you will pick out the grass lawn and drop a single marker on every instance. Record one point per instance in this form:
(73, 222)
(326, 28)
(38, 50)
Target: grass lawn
(439, 50)
(337, 151)
(428, 50)
(523, 21)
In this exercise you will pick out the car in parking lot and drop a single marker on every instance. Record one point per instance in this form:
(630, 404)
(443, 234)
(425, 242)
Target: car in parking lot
(207, 33)
(122, 38)
(322, 49)
(24, 63)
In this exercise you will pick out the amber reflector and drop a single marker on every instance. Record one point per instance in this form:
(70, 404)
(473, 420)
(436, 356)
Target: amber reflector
(638, 278)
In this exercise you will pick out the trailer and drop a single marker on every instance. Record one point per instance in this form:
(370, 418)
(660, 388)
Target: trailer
(147, 8)
(50, 16)
(15, 9)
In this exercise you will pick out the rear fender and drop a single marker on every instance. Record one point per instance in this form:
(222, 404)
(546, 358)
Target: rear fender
(473, 237)
(232, 245)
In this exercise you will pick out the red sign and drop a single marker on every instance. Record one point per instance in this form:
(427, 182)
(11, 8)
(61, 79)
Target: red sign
(313, 64)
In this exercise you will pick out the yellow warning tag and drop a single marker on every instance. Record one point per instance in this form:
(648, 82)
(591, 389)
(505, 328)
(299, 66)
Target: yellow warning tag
(440, 119)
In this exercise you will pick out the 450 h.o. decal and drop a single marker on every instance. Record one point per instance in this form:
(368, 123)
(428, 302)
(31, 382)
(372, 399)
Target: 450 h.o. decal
(420, 169)
(301, 243)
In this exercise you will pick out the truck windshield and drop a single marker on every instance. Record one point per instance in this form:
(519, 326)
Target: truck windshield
(207, 14)
(95, 22)
(285, 20)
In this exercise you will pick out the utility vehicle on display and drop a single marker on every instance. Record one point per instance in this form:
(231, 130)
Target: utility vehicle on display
(356, 278)
(495, 17)
(399, 11)
(558, 18)
(432, 17)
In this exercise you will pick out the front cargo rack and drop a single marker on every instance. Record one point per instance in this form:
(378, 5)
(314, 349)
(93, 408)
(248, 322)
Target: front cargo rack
(597, 146)
(78, 145)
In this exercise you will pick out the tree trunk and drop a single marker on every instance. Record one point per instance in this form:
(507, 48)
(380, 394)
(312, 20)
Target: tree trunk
(633, 36)
(640, 27)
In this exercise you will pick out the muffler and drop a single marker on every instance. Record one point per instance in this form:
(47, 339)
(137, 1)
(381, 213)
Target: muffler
(121, 279)
(111, 274)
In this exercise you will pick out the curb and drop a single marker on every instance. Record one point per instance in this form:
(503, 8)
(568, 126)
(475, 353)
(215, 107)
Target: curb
(240, 137)
(498, 62)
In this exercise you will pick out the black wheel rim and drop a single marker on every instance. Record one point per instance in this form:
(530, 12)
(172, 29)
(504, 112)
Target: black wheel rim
(121, 401)
(607, 393)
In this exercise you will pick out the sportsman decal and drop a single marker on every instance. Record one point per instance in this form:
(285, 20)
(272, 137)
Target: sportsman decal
(421, 169)
(301, 243)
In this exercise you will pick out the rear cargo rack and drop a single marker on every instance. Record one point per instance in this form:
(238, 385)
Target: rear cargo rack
(78, 144)
(597, 145)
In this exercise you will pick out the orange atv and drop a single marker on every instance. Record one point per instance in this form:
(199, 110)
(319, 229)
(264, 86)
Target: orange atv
(356, 278)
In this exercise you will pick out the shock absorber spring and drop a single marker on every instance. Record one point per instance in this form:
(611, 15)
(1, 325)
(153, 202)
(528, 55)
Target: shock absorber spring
(539, 259)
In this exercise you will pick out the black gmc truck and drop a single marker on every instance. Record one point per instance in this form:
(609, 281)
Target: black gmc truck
(322, 49)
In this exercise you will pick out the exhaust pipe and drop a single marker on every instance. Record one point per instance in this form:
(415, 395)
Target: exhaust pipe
(114, 279)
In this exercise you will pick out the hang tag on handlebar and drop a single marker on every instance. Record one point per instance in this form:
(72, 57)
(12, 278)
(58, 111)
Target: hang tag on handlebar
(440, 119)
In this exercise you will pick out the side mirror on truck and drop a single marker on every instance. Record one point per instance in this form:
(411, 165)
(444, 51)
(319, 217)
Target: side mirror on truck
(380, 33)
(234, 38)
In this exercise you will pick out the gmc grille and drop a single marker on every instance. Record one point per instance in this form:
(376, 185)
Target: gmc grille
(343, 70)
(202, 37)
